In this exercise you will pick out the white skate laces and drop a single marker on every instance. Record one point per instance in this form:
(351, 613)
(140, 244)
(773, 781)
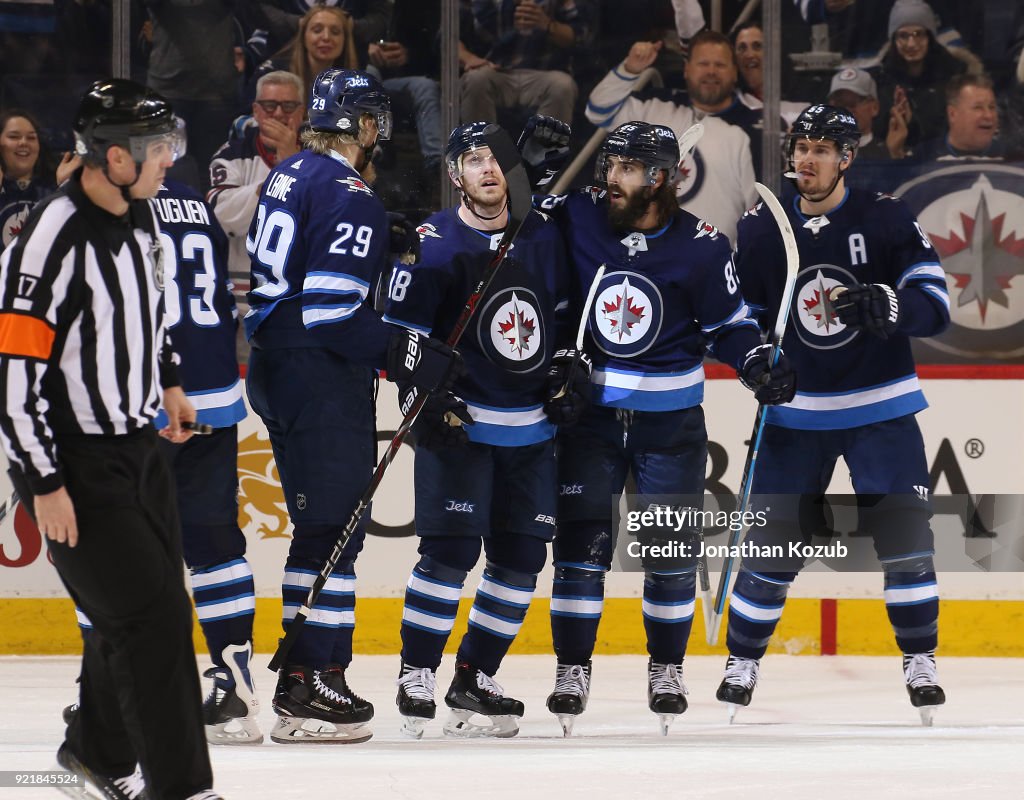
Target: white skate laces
(327, 691)
(919, 670)
(132, 785)
(419, 684)
(741, 672)
(572, 679)
(667, 679)
(488, 684)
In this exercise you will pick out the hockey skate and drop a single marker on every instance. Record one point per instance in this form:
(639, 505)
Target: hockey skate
(666, 692)
(316, 706)
(69, 713)
(572, 690)
(232, 708)
(922, 684)
(475, 692)
(737, 686)
(416, 699)
(91, 784)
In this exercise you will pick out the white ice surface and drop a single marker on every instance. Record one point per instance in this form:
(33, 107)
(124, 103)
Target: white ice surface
(827, 728)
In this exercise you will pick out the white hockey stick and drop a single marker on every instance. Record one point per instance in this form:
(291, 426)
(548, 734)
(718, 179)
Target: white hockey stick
(775, 338)
(689, 140)
(581, 332)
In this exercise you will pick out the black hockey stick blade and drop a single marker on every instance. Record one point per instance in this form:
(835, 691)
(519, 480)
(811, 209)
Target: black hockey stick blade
(520, 203)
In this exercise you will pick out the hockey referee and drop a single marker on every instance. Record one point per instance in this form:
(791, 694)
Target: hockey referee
(85, 364)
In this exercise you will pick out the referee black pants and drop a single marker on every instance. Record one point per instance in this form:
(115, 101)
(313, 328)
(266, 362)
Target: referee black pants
(140, 693)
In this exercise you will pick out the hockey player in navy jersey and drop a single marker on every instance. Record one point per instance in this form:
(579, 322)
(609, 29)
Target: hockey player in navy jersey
(869, 280)
(485, 475)
(319, 245)
(669, 292)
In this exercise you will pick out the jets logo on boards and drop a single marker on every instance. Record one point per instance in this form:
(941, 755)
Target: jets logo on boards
(12, 220)
(511, 330)
(355, 185)
(691, 177)
(974, 217)
(627, 314)
(813, 315)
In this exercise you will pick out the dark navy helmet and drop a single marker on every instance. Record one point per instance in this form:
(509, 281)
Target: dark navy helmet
(655, 146)
(824, 122)
(462, 139)
(124, 113)
(341, 96)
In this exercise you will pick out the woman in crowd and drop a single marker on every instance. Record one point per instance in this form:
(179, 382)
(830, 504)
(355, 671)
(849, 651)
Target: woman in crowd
(25, 178)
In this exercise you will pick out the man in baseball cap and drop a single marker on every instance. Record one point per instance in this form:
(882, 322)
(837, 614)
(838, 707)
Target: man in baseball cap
(854, 90)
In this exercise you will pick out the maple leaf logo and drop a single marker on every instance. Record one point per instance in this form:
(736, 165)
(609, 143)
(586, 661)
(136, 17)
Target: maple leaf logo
(623, 314)
(818, 306)
(518, 329)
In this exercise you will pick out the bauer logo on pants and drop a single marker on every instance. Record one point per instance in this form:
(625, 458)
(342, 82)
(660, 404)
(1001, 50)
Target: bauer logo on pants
(627, 314)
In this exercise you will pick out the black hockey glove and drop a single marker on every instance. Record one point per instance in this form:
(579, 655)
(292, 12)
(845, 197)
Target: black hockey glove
(568, 387)
(770, 385)
(422, 363)
(405, 241)
(872, 307)
(440, 423)
(544, 145)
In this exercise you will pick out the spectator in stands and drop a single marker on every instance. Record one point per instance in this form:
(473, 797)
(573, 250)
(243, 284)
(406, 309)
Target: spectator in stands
(243, 162)
(913, 75)
(972, 119)
(717, 182)
(25, 176)
(192, 65)
(370, 18)
(324, 39)
(855, 91)
(527, 59)
(748, 48)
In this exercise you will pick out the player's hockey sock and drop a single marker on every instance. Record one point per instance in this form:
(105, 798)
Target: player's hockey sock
(431, 603)
(334, 609)
(668, 614)
(84, 623)
(755, 608)
(912, 602)
(496, 616)
(342, 652)
(225, 600)
(577, 600)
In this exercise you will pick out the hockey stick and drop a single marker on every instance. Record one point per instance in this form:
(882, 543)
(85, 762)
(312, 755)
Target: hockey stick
(689, 140)
(520, 203)
(580, 333)
(792, 267)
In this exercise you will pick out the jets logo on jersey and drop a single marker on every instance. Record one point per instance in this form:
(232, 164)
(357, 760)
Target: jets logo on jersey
(813, 311)
(627, 314)
(426, 229)
(355, 185)
(511, 330)
(973, 215)
(691, 177)
(705, 229)
(12, 220)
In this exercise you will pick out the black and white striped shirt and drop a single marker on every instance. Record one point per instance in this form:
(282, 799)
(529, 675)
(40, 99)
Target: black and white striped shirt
(82, 344)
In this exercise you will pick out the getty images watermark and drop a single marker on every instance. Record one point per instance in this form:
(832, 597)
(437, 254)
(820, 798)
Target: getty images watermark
(668, 526)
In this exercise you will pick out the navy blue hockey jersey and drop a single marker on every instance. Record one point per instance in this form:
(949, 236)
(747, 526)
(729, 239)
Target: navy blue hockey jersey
(319, 245)
(199, 307)
(519, 322)
(845, 378)
(665, 297)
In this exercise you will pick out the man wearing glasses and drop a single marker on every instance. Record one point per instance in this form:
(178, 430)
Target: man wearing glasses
(243, 162)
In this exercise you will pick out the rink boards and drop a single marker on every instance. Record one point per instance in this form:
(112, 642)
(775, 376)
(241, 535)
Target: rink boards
(974, 439)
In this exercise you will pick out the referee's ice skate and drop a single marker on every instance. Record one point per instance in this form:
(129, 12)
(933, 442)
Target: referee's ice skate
(666, 694)
(231, 709)
(318, 706)
(92, 784)
(737, 686)
(923, 684)
(475, 692)
(569, 698)
(416, 699)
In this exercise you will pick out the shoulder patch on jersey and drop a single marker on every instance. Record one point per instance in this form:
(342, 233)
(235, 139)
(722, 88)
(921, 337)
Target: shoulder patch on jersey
(753, 210)
(596, 193)
(885, 196)
(427, 229)
(297, 164)
(705, 228)
(355, 185)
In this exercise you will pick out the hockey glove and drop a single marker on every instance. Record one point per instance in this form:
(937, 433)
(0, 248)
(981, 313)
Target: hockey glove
(872, 307)
(770, 385)
(544, 145)
(422, 363)
(440, 423)
(405, 240)
(568, 387)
